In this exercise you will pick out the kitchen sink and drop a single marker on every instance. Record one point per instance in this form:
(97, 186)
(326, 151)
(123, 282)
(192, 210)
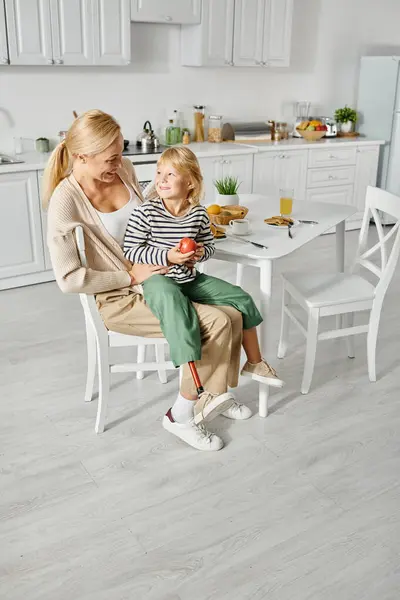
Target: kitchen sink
(9, 160)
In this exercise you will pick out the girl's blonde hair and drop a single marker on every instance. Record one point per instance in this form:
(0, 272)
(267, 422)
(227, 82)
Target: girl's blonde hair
(185, 162)
(91, 133)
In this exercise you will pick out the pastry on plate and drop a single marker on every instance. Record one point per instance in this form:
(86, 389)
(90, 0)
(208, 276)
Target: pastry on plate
(279, 221)
(218, 232)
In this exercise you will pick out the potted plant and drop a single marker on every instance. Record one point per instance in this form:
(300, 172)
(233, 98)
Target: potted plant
(346, 117)
(227, 189)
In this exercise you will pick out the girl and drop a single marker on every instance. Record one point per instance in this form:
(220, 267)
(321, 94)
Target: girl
(152, 236)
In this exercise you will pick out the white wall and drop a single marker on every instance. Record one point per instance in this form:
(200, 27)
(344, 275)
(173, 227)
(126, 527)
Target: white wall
(329, 36)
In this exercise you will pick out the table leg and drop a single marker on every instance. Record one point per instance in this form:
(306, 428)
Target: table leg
(266, 290)
(340, 252)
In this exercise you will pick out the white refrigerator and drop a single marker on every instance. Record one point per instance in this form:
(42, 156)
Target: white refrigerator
(378, 106)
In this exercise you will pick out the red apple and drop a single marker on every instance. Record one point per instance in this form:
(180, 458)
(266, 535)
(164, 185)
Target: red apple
(187, 245)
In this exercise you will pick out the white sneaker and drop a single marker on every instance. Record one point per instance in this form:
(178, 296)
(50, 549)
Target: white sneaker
(238, 412)
(196, 436)
(210, 405)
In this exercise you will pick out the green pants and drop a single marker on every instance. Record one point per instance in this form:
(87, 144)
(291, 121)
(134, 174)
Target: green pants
(171, 303)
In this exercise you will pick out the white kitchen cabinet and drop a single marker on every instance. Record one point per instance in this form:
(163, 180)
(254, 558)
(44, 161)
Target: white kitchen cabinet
(29, 32)
(275, 170)
(210, 43)
(277, 33)
(4, 59)
(21, 245)
(240, 33)
(72, 32)
(335, 195)
(112, 32)
(166, 11)
(43, 217)
(217, 167)
(366, 173)
(77, 32)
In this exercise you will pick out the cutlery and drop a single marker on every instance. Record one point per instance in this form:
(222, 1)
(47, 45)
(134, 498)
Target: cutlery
(308, 222)
(241, 239)
(290, 225)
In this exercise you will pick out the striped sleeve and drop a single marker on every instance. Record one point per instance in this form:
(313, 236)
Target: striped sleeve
(138, 232)
(206, 237)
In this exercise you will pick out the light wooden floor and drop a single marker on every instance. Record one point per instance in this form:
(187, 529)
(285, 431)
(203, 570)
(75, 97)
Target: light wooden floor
(303, 505)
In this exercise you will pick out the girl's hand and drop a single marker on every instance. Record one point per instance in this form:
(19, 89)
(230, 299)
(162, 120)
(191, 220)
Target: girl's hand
(140, 273)
(198, 255)
(175, 257)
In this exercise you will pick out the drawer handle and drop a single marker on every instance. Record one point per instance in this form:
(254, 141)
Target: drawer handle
(167, 18)
(332, 177)
(332, 156)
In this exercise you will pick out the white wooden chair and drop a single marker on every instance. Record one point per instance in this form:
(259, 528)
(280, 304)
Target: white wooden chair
(99, 342)
(328, 294)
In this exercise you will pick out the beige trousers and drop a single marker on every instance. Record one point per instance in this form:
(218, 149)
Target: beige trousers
(221, 332)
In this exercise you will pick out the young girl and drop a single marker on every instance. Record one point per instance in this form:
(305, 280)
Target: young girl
(152, 236)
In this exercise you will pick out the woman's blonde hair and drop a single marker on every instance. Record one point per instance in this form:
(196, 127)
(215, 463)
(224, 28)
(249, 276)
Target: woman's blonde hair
(91, 133)
(185, 162)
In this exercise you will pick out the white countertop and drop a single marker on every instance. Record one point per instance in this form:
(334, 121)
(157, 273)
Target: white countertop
(35, 161)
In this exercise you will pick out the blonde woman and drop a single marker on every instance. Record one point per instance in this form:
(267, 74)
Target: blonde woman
(153, 235)
(88, 183)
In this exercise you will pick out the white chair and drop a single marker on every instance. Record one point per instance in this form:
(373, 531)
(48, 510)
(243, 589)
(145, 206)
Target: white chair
(99, 342)
(345, 294)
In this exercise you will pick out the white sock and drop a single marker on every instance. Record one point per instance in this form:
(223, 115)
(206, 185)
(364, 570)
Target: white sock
(182, 409)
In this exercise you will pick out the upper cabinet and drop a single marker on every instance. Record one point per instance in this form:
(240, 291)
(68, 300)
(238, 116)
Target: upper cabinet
(250, 33)
(77, 32)
(166, 11)
(4, 59)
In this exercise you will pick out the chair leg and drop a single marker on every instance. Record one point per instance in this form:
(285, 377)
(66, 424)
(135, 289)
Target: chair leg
(160, 358)
(104, 384)
(141, 357)
(239, 275)
(285, 324)
(312, 338)
(371, 342)
(263, 394)
(349, 321)
(91, 361)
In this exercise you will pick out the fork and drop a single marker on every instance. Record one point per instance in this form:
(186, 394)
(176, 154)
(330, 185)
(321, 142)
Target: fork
(290, 225)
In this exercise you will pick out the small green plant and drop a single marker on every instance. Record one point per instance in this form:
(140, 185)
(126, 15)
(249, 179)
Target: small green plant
(228, 186)
(342, 115)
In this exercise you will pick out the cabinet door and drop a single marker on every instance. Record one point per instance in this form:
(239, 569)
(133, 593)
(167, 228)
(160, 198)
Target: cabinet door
(366, 173)
(21, 247)
(248, 34)
(72, 32)
(211, 169)
(166, 11)
(277, 32)
(112, 32)
(3, 36)
(29, 32)
(43, 217)
(266, 174)
(337, 195)
(240, 166)
(210, 44)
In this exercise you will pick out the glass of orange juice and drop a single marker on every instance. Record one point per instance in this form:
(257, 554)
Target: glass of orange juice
(286, 201)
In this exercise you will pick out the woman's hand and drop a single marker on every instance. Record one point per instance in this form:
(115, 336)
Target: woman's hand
(140, 273)
(175, 257)
(198, 255)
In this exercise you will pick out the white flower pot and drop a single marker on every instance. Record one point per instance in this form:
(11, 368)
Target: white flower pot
(346, 127)
(225, 200)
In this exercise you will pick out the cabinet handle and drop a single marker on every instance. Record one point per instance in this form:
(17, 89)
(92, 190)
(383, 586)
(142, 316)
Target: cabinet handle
(59, 61)
(4, 61)
(266, 64)
(332, 177)
(332, 156)
(282, 156)
(167, 18)
(227, 162)
(50, 61)
(231, 63)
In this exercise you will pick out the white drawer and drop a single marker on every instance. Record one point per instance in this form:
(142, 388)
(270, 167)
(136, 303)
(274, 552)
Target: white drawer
(328, 177)
(338, 195)
(332, 157)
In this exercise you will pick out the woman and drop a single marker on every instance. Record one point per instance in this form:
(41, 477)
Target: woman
(88, 183)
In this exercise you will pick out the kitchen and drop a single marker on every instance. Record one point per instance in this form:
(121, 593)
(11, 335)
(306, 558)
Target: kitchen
(146, 70)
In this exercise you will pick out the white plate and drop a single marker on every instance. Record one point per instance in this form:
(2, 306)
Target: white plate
(229, 231)
(284, 227)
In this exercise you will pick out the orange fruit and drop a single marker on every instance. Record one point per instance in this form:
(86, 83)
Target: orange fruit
(214, 209)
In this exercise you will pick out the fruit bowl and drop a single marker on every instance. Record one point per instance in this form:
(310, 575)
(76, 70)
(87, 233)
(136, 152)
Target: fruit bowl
(311, 136)
(235, 212)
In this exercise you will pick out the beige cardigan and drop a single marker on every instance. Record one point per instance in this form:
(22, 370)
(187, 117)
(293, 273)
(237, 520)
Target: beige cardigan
(107, 267)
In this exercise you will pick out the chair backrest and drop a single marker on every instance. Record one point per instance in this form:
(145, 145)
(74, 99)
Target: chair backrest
(384, 202)
(88, 301)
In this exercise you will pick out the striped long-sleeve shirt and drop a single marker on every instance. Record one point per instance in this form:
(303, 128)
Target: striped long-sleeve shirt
(152, 231)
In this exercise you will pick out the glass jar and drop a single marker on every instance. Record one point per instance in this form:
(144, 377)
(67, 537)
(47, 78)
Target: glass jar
(199, 123)
(282, 130)
(215, 129)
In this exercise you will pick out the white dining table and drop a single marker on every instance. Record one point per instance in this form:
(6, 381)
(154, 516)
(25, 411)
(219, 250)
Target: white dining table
(279, 244)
